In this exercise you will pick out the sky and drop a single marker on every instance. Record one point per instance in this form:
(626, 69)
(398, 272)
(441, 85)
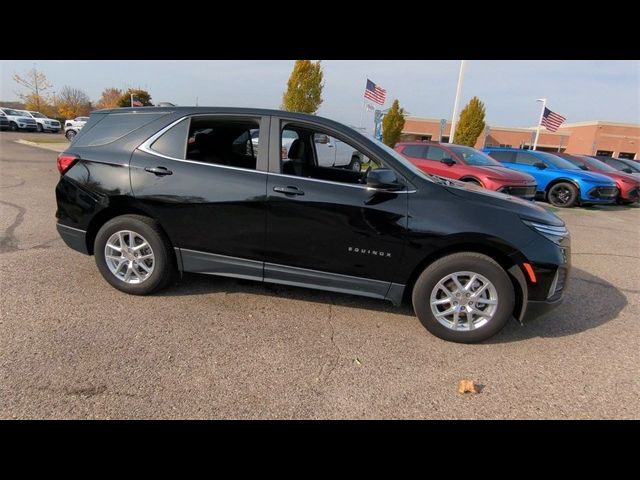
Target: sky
(578, 90)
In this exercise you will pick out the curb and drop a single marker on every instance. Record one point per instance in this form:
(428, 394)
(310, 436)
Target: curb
(54, 146)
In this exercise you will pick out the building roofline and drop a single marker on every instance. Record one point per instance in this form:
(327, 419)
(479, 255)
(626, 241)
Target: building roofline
(599, 122)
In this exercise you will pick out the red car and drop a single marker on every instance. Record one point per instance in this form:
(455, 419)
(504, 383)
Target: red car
(628, 185)
(468, 165)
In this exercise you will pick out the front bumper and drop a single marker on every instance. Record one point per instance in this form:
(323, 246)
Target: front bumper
(73, 237)
(601, 195)
(528, 192)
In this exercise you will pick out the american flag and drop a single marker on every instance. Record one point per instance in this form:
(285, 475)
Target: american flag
(136, 103)
(551, 120)
(375, 93)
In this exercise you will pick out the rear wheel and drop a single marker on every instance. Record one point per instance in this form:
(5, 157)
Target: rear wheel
(70, 134)
(14, 127)
(134, 255)
(464, 297)
(39, 128)
(563, 194)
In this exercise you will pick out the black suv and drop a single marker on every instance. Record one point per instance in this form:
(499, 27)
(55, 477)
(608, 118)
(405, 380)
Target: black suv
(153, 192)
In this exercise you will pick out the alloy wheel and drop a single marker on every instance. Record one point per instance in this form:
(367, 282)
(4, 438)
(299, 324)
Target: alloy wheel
(464, 301)
(129, 256)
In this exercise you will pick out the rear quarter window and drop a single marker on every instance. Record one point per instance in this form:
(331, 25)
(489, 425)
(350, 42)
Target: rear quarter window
(106, 128)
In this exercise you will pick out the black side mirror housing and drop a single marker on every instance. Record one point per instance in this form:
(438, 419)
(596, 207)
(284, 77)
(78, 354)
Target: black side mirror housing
(627, 170)
(583, 167)
(448, 161)
(540, 165)
(383, 179)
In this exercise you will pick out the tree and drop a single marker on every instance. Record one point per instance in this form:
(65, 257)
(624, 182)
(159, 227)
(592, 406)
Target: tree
(72, 102)
(304, 88)
(110, 98)
(139, 94)
(392, 124)
(37, 84)
(39, 104)
(471, 123)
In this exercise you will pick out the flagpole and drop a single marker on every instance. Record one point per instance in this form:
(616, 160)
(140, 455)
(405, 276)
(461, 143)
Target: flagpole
(456, 102)
(544, 105)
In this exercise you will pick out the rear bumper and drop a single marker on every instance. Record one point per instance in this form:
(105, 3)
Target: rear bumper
(73, 237)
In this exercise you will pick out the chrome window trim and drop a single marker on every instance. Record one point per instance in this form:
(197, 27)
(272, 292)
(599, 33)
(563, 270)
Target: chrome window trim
(146, 147)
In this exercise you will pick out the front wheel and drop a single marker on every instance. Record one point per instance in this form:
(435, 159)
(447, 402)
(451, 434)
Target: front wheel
(134, 255)
(14, 127)
(39, 128)
(563, 194)
(355, 164)
(70, 134)
(464, 297)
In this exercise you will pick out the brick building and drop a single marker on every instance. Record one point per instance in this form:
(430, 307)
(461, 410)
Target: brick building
(589, 138)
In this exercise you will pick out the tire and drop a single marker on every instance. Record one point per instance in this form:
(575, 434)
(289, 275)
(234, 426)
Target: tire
(486, 269)
(563, 195)
(39, 128)
(355, 164)
(14, 127)
(163, 264)
(472, 182)
(70, 134)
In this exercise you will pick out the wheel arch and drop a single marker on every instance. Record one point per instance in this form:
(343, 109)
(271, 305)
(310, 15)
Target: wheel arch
(466, 178)
(556, 181)
(116, 210)
(507, 258)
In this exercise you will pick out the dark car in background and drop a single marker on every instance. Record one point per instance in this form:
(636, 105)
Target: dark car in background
(4, 123)
(469, 165)
(628, 185)
(624, 165)
(149, 205)
(560, 182)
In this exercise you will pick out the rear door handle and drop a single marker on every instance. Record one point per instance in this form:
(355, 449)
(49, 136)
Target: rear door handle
(158, 171)
(288, 190)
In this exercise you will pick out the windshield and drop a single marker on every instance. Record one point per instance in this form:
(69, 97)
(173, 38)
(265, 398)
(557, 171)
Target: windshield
(37, 115)
(599, 164)
(558, 162)
(14, 113)
(471, 156)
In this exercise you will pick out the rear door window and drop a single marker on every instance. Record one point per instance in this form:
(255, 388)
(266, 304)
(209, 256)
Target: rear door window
(524, 158)
(415, 151)
(503, 156)
(173, 143)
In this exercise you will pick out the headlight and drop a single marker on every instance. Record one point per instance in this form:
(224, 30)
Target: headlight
(552, 232)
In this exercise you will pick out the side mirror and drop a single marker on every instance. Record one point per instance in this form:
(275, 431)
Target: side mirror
(627, 170)
(321, 138)
(383, 178)
(583, 167)
(448, 161)
(540, 165)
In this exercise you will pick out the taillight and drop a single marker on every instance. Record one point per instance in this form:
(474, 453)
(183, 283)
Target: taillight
(65, 162)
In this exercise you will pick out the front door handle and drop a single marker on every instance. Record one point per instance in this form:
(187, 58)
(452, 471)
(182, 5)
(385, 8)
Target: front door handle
(160, 171)
(288, 190)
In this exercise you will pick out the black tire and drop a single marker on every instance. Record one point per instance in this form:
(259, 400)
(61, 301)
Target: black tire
(459, 262)
(164, 269)
(356, 164)
(39, 128)
(70, 134)
(14, 127)
(472, 182)
(563, 195)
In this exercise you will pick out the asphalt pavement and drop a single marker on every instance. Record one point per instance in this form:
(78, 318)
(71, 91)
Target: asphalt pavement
(73, 347)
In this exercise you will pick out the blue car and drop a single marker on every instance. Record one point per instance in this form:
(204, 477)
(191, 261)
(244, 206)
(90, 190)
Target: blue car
(560, 182)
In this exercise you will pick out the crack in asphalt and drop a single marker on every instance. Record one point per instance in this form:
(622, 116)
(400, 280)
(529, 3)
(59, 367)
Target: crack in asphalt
(333, 362)
(608, 285)
(8, 242)
(605, 254)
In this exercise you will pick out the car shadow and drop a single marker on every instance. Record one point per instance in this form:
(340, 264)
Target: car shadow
(582, 309)
(589, 302)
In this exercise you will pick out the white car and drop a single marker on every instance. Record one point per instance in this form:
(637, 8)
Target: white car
(72, 127)
(18, 120)
(43, 123)
(335, 153)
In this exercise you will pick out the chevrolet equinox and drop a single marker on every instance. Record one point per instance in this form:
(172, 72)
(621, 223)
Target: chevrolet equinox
(156, 191)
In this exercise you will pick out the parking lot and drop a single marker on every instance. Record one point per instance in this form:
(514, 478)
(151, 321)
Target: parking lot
(73, 347)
